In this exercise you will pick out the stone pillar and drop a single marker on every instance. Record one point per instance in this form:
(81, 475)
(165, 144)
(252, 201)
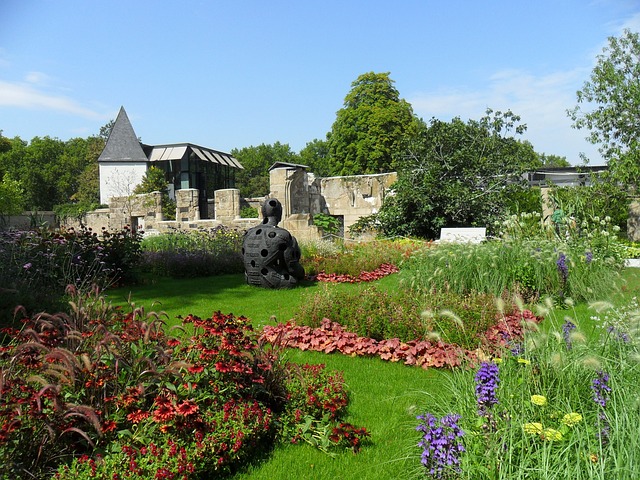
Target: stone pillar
(227, 204)
(187, 208)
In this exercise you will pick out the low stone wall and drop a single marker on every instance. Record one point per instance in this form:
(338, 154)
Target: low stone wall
(30, 220)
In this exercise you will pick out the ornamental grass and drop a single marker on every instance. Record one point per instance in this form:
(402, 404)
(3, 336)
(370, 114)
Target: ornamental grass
(558, 406)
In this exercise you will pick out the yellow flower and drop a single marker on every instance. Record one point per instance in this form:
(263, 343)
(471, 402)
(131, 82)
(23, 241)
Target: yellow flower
(570, 419)
(533, 427)
(539, 400)
(497, 360)
(524, 361)
(551, 434)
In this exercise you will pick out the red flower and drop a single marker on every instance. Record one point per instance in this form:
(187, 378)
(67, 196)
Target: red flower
(109, 426)
(137, 416)
(164, 413)
(188, 407)
(198, 368)
(173, 342)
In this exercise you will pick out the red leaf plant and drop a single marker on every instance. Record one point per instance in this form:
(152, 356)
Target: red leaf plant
(331, 336)
(380, 272)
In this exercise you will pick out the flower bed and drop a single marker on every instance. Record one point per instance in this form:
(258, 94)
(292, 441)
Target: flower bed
(331, 337)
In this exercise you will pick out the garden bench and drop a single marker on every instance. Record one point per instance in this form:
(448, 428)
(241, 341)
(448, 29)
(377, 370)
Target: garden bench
(463, 234)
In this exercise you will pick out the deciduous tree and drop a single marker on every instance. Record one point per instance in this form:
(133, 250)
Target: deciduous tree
(609, 107)
(253, 181)
(457, 174)
(370, 128)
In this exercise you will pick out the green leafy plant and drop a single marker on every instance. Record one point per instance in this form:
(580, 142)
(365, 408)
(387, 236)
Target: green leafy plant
(329, 224)
(249, 212)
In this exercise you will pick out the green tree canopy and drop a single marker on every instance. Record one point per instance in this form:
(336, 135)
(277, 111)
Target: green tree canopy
(609, 107)
(11, 198)
(315, 155)
(152, 181)
(553, 161)
(457, 174)
(370, 128)
(253, 181)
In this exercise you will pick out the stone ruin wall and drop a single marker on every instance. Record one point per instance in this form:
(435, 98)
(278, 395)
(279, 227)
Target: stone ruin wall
(302, 196)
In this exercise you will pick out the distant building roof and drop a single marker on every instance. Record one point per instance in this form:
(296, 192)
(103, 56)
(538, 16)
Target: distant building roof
(123, 146)
(565, 176)
(287, 165)
(176, 151)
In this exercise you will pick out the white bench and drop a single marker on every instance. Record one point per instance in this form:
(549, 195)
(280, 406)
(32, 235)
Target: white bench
(463, 235)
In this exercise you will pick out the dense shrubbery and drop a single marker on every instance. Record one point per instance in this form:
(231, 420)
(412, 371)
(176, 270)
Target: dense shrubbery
(98, 392)
(192, 253)
(37, 265)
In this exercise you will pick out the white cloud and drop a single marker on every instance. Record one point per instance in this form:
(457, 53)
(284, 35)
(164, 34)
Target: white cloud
(37, 78)
(541, 101)
(13, 94)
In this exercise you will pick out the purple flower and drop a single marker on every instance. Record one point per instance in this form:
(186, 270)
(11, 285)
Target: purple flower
(588, 256)
(563, 269)
(27, 266)
(441, 444)
(618, 335)
(601, 389)
(567, 328)
(516, 349)
(487, 380)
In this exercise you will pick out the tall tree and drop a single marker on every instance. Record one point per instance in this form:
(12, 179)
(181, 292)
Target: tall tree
(253, 181)
(457, 174)
(609, 107)
(370, 128)
(315, 155)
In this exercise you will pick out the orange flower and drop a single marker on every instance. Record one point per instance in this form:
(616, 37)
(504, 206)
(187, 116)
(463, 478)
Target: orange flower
(137, 416)
(164, 413)
(188, 407)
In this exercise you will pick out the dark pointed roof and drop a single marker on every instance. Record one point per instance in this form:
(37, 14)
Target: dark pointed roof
(123, 144)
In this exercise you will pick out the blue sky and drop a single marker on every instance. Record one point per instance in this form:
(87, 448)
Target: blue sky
(232, 74)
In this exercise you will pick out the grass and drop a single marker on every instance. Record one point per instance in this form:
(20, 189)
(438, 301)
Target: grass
(385, 397)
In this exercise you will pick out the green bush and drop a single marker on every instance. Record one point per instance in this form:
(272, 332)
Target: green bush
(249, 212)
(352, 259)
(582, 268)
(36, 266)
(193, 253)
(373, 313)
(366, 310)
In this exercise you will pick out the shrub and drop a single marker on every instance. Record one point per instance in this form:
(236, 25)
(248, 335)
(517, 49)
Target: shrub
(249, 212)
(530, 268)
(355, 258)
(366, 311)
(190, 253)
(37, 265)
(373, 313)
(98, 391)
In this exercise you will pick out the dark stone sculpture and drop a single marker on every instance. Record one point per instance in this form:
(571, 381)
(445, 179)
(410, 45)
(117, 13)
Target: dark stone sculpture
(271, 254)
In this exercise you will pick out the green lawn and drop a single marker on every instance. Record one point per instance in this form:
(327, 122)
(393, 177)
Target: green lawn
(385, 397)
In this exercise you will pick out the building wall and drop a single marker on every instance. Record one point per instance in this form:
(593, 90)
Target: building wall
(119, 179)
